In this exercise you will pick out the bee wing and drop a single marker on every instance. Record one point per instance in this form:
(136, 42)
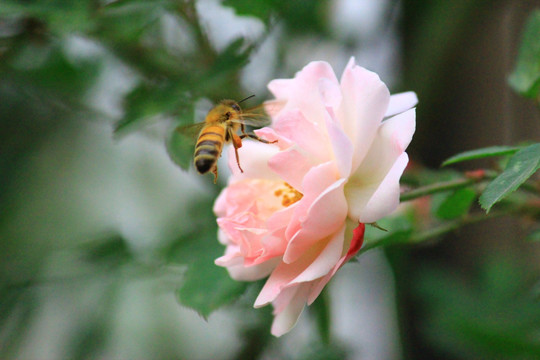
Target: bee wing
(253, 121)
(255, 116)
(181, 144)
(191, 130)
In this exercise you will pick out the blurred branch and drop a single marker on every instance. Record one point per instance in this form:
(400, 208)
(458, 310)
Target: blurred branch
(131, 270)
(479, 177)
(435, 188)
(433, 232)
(188, 12)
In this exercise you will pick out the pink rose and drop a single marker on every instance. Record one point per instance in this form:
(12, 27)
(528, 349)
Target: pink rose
(297, 213)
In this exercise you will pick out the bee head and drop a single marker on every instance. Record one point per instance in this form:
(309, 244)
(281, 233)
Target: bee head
(230, 108)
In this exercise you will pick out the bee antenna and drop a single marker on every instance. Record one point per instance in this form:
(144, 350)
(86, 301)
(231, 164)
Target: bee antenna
(249, 97)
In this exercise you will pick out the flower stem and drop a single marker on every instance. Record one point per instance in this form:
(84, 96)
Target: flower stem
(485, 177)
(321, 308)
(435, 188)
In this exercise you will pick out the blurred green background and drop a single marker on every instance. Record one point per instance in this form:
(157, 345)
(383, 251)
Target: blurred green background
(102, 236)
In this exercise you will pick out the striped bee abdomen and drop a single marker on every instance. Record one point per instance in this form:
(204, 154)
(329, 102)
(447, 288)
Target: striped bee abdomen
(208, 148)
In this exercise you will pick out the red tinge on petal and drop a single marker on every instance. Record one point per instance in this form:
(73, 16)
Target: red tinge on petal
(357, 241)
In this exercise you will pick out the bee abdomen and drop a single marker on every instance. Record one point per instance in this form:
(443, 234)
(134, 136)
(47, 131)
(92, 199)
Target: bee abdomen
(206, 155)
(203, 164)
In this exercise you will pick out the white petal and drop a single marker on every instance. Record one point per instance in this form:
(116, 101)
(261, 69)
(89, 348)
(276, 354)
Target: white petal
(253, 156)
(325, 261)
(386, 198)
(341, 146)
(285, 320)
(392, 139)
(365, 100)
(234, 262)
(401, 102)
(303, 92)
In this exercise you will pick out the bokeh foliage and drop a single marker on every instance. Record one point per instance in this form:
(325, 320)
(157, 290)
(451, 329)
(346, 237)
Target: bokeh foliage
(46, 87)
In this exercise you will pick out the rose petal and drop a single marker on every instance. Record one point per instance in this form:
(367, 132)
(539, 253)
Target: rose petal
(317, 180)
(294, 300)
(234, 262)
(306, 134)
(401, 102)
(306, 83)
(386, 198)
(325, 216)
(392, 139)
(341, 146)
(330, 92)
(355, 245)
(283, 275)
(222, 237)
(253, 157)
(291, 165)
(325, 261)
(270, 135)
(365, 100)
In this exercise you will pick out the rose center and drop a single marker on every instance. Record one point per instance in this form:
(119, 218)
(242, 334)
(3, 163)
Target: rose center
(288, 194)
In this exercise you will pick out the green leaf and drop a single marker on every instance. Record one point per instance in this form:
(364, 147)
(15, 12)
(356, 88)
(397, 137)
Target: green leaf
(207, 287)
(148, 101)
(200, 237)
(180, 148)
(112, 250)
(526, 76)
(481, 153)
(520, 167)
(261, 9)
(399, 231)
(456, 205)
(534, 235)
(60, 17)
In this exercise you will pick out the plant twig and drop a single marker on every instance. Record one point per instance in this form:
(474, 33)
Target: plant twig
(436, 188)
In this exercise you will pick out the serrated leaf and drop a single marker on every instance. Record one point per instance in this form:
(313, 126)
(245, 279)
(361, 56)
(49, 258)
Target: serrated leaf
(481, 153)
(520, 167)
(208, 287)
(526, 76)
(456, 205)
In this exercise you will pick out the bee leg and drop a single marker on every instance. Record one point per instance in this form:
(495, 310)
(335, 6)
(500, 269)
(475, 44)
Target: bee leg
(253, 136)
(214, 171)
(237, 143)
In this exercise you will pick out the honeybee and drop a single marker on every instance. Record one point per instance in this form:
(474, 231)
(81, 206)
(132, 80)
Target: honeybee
(221, 126)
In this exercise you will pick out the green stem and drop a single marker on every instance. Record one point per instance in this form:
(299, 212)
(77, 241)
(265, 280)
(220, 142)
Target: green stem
(435, 188)
(321, 308)
(461, 183)
(416, 238)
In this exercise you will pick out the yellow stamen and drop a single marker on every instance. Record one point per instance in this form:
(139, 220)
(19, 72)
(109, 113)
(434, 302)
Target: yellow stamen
(289, 195)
